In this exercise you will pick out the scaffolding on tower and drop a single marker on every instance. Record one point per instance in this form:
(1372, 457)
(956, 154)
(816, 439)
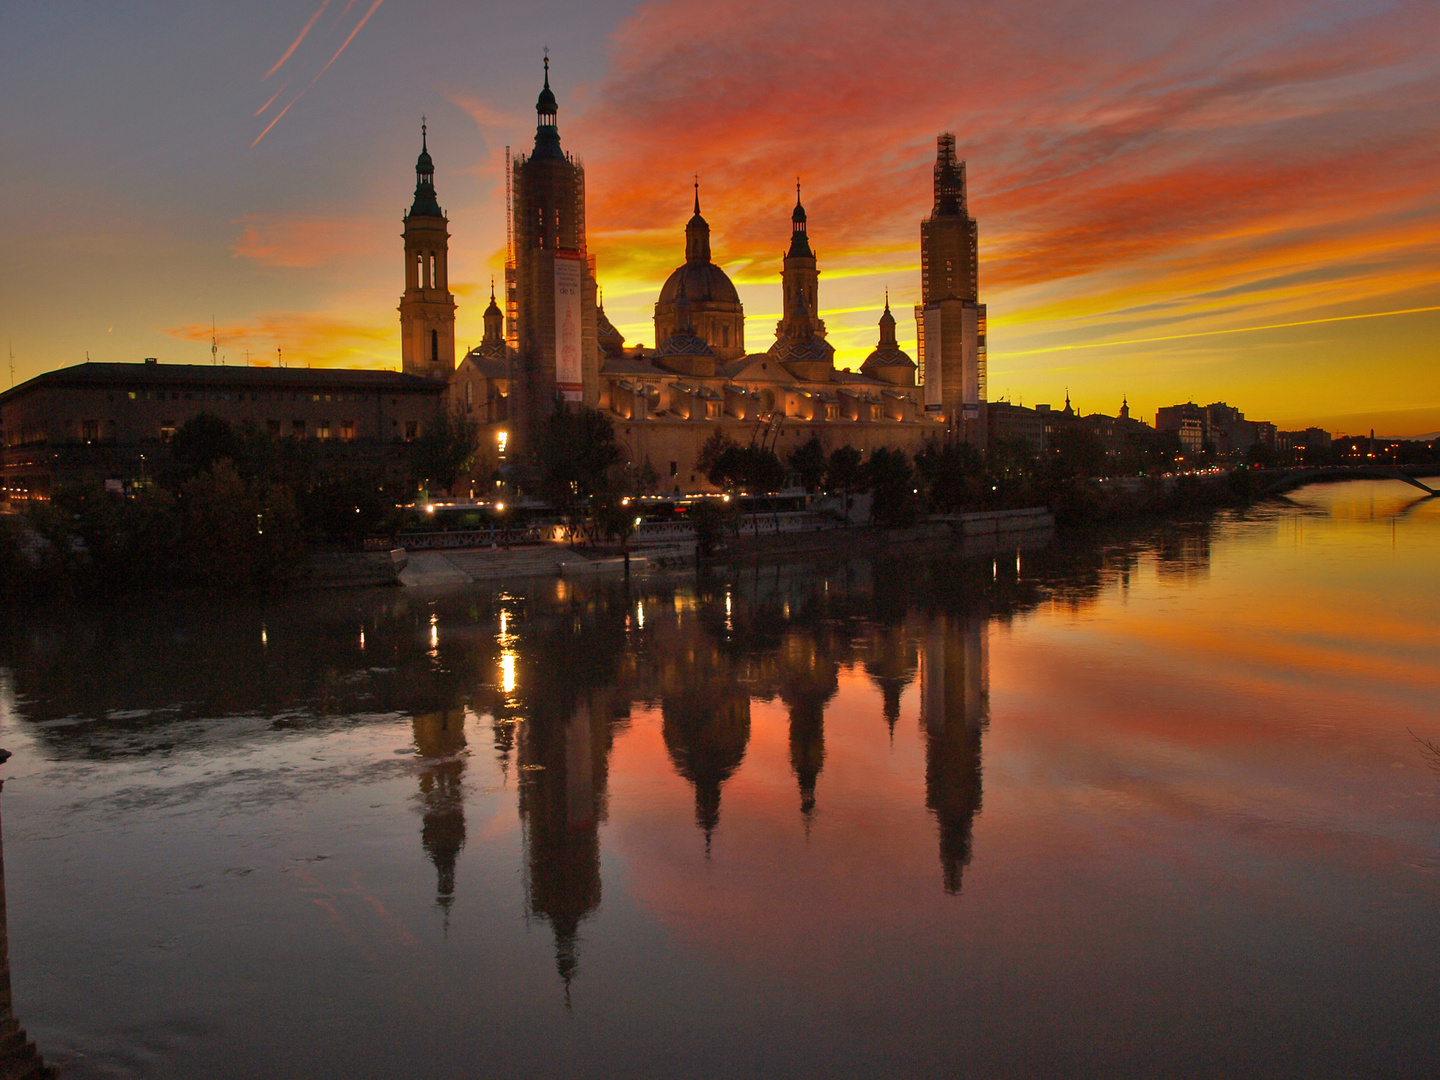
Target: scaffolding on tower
(512, 306)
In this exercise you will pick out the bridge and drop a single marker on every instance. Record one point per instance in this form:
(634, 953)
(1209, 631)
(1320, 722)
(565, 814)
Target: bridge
(1295, 478)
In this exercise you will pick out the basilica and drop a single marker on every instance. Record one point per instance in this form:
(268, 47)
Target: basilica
(553, 342)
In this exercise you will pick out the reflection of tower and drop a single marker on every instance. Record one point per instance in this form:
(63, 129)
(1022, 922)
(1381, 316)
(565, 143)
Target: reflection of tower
(892, 665)
(440, 741)
(706, 729)
(954, 705)
(19, 1060)
(561, 801)
(808, 679)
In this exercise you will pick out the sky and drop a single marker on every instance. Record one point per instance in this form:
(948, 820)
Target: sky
(1198, 201)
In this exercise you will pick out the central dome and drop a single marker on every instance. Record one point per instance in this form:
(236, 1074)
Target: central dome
(703, 281)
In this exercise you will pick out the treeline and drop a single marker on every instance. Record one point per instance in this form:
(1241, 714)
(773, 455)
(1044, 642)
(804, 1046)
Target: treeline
(953, 477)
(232, 509)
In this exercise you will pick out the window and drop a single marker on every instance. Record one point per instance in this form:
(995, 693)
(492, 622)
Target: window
(434, 346)
(322, 429)
(347, 430)
(469, 403)
(90, 430)
(412, 430)
(130, 394)
(674, 468)
(297, 429)
(167, 431)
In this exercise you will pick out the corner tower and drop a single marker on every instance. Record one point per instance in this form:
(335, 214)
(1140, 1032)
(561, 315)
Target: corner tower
(554, 282)
(950, 320)
(427, 310)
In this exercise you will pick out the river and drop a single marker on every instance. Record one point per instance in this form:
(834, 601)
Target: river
(1163, 802)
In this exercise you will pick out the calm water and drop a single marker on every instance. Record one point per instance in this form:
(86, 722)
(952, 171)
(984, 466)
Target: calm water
(1146, 807)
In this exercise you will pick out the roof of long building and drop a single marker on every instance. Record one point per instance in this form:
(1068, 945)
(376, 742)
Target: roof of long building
(221, 377)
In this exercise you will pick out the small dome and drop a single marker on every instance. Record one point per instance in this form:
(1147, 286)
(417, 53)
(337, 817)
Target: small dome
(703, 282)
(547, 103)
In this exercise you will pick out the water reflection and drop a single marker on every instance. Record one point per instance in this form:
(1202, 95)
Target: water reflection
(954, 701)
(440, 742)
(768, 799)
(19, 1059)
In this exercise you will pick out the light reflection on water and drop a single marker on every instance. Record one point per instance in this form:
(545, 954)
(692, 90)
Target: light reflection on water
(1145, 805)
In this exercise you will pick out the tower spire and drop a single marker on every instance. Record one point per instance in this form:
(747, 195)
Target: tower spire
(697, 193)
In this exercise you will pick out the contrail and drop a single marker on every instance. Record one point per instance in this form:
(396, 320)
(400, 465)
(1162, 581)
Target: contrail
(346, 45)
(281, 113)
(1213, 333)
(273, 96)
(302, 93)
(296, 43)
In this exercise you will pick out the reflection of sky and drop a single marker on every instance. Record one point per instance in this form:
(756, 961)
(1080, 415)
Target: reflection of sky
(1205, 835)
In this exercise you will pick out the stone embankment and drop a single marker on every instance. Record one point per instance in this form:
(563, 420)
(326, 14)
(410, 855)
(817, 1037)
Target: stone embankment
(673, 544)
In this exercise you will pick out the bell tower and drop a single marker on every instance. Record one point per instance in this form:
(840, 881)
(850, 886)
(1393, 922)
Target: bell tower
(427, 310)
(800, 280)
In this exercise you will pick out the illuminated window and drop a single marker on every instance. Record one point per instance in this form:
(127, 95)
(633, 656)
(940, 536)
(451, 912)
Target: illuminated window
(347, 430)
(322, 429)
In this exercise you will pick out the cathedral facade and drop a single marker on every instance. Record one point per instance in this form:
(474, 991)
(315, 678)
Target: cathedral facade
(700, 377)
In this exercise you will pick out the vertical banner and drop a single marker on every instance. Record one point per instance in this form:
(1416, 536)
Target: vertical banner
(934, 350)
(569, 275)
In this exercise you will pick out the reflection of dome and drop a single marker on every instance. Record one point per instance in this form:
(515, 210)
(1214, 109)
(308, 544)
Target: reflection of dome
(703, 281)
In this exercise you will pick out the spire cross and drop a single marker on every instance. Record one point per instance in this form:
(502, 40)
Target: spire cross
(697, 193)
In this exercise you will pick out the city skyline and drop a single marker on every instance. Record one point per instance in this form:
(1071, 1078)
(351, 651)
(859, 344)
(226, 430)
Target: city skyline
(1155, 187)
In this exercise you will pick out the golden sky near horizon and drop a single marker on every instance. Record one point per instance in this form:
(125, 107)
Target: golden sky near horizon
(1201, 201)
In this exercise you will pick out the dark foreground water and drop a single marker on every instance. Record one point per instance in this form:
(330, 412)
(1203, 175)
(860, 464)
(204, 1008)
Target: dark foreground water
(1141, 807)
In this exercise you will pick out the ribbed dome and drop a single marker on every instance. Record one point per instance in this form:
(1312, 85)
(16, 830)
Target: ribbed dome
(703, 281)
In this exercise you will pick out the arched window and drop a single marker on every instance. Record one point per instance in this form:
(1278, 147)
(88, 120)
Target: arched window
(432, 270)
(434, 346)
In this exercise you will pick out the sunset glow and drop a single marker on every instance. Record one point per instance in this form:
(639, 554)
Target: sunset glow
(1232, 202)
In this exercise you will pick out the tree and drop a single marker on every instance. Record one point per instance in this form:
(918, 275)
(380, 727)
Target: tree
(576, 452)
(845, 474)
(808, 461)
(647, 480)
(202, 441)
(715, 448)
(1076, 451)
(444, 450)
(892, 484)
(953, 475)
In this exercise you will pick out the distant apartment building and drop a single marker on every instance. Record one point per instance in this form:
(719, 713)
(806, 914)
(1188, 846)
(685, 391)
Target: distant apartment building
(1015, 423)
(1312, 438)
(1218, 427)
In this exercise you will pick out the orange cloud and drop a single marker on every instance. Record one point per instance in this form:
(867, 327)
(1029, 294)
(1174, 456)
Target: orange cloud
(1132, 169)
(305, 339)
(291, 241)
